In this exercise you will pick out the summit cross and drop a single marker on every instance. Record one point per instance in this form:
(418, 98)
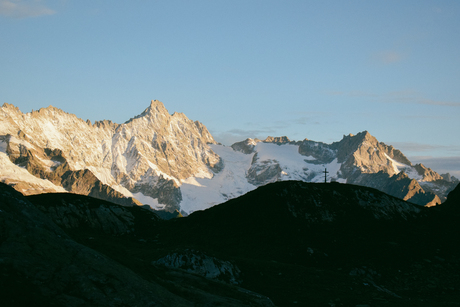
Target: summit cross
(325, 175)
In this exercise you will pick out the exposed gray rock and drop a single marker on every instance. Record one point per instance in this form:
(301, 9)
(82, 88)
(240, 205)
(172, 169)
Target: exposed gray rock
(427, 173)
(199, 263)
(277, 140)
(323, 153)
(263, 172)
(246, 146)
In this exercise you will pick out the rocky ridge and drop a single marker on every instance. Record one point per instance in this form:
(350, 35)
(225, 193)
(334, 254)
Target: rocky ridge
(150, 153)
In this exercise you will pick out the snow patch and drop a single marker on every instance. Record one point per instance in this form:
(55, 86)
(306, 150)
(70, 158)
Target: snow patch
(409, 170)
(396, 165)
(147, 200)
(26, 144)
(295, 166)
(103, 174)
(53, 135)
(9, 172)
(49, 164)
(192, 181)
(230, 182)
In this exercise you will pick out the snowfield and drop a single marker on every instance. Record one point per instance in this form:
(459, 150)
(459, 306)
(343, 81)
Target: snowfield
(202, 193)
(296, 166)
(409, 170)
(230, 182)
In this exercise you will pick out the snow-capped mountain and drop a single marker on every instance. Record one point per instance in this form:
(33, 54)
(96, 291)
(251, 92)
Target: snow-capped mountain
(357, 159)
(146, 157)
(171, 162)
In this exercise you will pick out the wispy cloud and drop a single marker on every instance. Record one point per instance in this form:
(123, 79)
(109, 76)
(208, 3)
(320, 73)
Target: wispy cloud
(419, 148)
(24, 8)
(355, 94)
(439, 103)
(261, 131)
(405, 96)
(410, 96)
(442, 165)
(413, 147)
(388, 57)
(232, 136)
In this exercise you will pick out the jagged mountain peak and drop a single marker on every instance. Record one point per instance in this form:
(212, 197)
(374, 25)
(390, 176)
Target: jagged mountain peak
(10, 106)
(277, 140)
(364, 148)
(155, 110)
(149, 154)
(427, 173)
(354, 141)
(49, 108)
(365, 135)
(157, 120)
(246, 146)
(105, 124)
(156, 106)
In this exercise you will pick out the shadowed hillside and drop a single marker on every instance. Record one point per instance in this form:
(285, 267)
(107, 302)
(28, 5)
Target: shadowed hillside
(293, 243)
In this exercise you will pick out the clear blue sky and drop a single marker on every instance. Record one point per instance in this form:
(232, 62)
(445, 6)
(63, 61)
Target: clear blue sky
(304, 69)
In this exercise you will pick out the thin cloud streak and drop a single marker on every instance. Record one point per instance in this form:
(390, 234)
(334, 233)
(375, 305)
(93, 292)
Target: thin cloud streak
(232, 136)
(23, 9)
(420, 147)
(395, 97)
(388, 57)
(441, 165)
(237, 135)
(411, 146)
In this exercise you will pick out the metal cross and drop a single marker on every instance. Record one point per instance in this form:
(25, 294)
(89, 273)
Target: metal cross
(325, 175)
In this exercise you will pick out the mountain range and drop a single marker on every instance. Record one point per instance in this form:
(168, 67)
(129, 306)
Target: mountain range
(172, 163)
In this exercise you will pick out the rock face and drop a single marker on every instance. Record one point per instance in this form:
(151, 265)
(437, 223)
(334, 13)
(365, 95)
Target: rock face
(199, 263)
(173, 163)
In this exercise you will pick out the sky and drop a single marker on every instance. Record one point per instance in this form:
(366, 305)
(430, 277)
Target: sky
(252, 68)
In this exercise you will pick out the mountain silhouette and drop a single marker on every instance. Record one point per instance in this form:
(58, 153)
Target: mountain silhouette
(287, 243)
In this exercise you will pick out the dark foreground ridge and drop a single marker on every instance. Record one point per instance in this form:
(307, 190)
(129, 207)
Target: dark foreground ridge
(285, 244)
